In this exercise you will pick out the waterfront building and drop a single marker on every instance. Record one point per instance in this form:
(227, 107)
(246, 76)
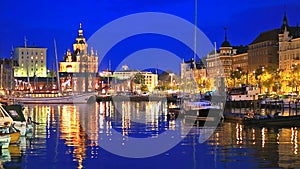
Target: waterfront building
(123, 79)
(6, 75)
(289, 47)
(31, 62)
(289, 57)
(240, 60)
(219, 63)
(193, 75)
(264, 50)
(78, 70)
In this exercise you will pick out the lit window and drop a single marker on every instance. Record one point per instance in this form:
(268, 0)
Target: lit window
(31, 57)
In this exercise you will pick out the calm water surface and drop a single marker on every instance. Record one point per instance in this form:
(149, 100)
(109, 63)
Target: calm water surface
(68, 136)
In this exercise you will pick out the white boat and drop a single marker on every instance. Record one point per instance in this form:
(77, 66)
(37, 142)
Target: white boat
(68, 99)
(244, 93)
(11, 114)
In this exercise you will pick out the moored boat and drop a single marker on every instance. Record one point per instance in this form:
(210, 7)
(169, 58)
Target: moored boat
(64, 99)
(14, 115)
(9, 130)
(273, 121)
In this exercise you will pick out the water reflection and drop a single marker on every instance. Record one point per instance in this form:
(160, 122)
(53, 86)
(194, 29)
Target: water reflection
(68, 136)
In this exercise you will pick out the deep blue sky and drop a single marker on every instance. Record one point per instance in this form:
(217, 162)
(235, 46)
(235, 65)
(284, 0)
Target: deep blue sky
(42, 21)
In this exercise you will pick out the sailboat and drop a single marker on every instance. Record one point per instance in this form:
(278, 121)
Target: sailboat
(57, 98)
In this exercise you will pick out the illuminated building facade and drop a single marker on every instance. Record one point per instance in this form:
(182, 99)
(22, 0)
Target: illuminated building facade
(265, 51)
(289, 49)
(126, 76)
(192, 72)
(31, 62)
(79, 69)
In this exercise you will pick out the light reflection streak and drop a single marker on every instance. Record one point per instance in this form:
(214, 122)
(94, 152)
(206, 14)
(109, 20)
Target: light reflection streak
(263, 137)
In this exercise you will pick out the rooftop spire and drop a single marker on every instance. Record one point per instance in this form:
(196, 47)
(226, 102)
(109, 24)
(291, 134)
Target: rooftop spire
(80, 31)
(225, 31)
(284, 21)
(225, 43)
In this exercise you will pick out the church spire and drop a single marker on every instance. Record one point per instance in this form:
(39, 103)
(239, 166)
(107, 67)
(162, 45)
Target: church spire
(284, 21)
(80, 30)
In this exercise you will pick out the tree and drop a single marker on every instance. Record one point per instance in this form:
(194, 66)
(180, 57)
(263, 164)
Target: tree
(144, 88)
(137, 79)
(236, 74)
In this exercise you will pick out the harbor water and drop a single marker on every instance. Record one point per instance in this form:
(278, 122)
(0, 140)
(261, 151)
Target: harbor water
(82, 136)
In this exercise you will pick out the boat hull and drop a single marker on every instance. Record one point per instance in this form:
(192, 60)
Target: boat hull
(276, 121)
(14, 137)
(72, 99)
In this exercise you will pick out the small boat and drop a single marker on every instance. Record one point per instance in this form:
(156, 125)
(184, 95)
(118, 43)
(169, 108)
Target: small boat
(244, 93)
(16, 117)
(12, 133)
(4, 141)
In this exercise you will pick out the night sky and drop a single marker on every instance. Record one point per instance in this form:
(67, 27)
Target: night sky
(42, 21)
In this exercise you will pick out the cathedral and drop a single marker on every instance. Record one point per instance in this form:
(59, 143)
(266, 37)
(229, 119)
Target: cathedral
(78, 70)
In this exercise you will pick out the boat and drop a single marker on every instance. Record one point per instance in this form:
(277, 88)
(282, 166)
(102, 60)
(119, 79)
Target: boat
(4, 141)
(196, 109)
(288, 121)
(244, 93)
(60, 99)
(14, 115)
(9, 130)
(15, 111)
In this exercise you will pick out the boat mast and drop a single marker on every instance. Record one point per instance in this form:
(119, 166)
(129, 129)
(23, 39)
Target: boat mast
(195, 30)
(57, 73)
(28, 80)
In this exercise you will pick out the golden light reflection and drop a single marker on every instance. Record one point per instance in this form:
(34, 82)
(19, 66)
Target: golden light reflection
(73, 133)
(253, 136)
(294, 139)
(239, 133)
(263, 137)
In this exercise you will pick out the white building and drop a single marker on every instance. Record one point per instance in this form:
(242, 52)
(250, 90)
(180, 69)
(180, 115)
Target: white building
(126, 75)
(32, 62)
